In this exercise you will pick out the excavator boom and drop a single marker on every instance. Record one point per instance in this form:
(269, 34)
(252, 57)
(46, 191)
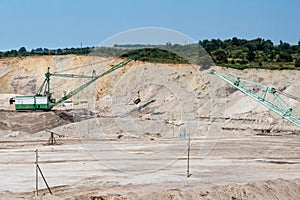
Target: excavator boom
(94, 78)
(267, 96)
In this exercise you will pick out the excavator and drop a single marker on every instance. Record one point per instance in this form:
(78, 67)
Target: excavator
(42, 100)
(270, 97)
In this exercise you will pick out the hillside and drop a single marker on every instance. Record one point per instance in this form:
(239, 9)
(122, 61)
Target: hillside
(168, 84)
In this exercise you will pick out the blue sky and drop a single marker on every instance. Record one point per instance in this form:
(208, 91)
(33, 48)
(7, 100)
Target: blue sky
(67, 23)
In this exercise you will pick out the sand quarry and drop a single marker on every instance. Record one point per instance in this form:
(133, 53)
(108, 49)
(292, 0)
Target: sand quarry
(115, 149)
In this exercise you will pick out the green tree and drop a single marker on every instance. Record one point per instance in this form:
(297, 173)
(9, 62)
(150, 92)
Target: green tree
(283, 46)
(267, 46)
(285, 57)
(22, 50)
(11, 53)
(59, 51)
(251, 55)
(235, 41)
(297, 61)
(220, 56)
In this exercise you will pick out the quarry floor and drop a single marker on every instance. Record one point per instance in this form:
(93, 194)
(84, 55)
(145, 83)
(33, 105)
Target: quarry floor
(136, 168)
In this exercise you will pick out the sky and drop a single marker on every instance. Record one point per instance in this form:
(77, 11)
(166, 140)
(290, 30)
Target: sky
(72, 23)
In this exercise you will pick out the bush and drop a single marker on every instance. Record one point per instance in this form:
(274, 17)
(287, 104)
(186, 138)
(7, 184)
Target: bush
(243, 62)
(220, 56)
(297, 61)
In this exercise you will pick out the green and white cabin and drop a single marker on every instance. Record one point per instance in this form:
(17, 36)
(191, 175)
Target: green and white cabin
(32, 103)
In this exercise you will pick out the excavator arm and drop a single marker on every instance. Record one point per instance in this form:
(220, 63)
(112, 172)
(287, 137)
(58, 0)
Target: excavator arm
(265, 95)
(93, 78)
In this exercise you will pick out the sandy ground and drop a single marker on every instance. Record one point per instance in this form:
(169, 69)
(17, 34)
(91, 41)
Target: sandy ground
(235, 168)
(115, 149)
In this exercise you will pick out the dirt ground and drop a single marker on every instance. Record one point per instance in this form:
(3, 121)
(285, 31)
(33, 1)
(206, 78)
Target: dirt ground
(115, 149)
(249, 167)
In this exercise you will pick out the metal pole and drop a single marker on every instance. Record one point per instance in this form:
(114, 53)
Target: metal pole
(36, 172)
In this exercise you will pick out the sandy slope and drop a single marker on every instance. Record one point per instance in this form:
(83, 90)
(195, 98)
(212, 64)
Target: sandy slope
(275, 189)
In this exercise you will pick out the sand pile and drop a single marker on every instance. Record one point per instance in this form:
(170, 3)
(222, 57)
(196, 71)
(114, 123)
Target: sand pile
(276, 189)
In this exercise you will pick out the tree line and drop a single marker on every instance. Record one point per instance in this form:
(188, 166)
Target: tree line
(235, 53)
(258, 52)
(45, 51)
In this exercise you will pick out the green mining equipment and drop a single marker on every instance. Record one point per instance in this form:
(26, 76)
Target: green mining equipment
(42, 100)
(32, 102)
(268, 96)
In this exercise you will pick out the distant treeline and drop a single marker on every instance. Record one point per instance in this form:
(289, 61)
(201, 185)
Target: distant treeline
(44, 51)
(236, 53)
(259, 53)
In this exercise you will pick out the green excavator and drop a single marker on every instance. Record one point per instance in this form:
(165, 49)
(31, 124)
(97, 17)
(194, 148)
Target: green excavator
(42, 100)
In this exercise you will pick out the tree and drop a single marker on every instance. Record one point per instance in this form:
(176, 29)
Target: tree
(215, 44)
(59, 51)
(284, 57)
(251, 55)
(297, 61)
(250, 46)
(22, 50)
(267, 46)
(220, 56)
(258, 42)
(272, 55)
(235, 41)
(168, 45)
(38, 50)
(209, 46)
(284, 46)
(11, 53)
